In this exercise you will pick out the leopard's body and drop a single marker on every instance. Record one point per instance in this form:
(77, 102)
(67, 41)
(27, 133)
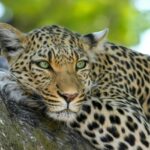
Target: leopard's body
(98, 88)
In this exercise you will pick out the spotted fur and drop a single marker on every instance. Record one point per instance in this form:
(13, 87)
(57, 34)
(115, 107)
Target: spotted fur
(107, 100)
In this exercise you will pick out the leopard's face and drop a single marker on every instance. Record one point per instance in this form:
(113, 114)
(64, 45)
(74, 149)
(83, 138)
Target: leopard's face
(52, 62)
(55, 66)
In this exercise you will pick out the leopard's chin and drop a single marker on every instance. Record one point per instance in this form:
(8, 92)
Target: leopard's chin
(64, 115)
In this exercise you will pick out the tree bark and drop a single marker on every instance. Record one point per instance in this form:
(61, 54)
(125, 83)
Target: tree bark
(23, 128)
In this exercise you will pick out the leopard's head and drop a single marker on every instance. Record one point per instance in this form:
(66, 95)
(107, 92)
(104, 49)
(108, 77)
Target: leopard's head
(53, 62)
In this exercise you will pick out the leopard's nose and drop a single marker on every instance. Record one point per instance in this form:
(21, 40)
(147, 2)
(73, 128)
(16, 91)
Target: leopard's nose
(68, 97)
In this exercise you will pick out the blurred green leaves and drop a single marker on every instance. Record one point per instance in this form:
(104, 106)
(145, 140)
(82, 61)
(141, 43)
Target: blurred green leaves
(84, 16)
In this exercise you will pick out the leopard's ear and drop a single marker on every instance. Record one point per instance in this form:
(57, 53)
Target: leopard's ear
(12, 41)
(95, 39)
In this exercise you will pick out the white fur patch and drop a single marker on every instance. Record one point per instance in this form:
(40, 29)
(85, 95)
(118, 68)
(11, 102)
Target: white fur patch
(10, 85)
(62, 116)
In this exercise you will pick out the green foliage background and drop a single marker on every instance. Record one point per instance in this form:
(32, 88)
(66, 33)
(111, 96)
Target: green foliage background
(123, 19)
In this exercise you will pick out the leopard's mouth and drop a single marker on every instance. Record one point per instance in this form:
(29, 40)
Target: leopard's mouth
(64, 111)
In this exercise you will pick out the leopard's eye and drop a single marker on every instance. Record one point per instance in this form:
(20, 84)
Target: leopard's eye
(43, 64)
(81, 64)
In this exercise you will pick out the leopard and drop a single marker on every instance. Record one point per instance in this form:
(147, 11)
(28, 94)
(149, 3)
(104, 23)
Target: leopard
(98, 88)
